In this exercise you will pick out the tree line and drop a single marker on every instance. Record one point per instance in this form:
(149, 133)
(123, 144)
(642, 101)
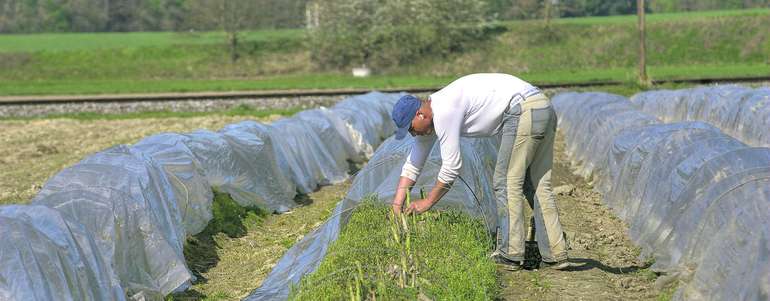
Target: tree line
(24, 16)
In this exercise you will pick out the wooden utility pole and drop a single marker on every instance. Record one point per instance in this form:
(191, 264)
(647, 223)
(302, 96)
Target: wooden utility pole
(643, 80)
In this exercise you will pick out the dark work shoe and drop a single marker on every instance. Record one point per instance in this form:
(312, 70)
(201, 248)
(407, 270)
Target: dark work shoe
(558, 265)
(505, 263)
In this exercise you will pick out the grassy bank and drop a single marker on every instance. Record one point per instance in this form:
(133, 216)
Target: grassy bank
(441, 255)
(684, 45)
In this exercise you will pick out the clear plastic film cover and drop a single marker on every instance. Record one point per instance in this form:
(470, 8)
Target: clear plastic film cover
(596, 108)
(110, 202)
(333, 132)
(46, 257)
(305, 143)
(292, 144)
(368, 119)
(694, 198)
(184, 172)
(154, 185)
(240, 160)
(741, 112)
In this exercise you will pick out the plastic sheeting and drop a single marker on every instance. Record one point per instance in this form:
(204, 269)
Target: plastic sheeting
(741, 112)
(594, 109)
(333, 133)
(120, 217)
(368, 120)
(121, 211)
(695, 199)
(153, 185)
(472, 194)
(312, 155)
(242, 164)
(184, 172)
(46, 257)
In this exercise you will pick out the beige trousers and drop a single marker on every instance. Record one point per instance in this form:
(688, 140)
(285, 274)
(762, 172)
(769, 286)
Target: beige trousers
(525, 157)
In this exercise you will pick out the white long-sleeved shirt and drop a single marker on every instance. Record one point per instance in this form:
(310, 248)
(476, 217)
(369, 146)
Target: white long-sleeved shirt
(471, 106)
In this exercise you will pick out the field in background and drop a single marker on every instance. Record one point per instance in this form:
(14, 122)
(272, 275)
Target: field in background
(682, 45)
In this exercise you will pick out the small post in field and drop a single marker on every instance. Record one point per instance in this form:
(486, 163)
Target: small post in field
(643, 80)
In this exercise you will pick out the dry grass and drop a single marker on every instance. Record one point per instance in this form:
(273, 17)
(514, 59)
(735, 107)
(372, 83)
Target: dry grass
(230, 264)
(32, 151)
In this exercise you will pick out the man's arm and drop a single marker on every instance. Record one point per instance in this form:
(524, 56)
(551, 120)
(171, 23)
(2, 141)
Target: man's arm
(420, 206)
(448, 132)
(404, 185)
(412, 167)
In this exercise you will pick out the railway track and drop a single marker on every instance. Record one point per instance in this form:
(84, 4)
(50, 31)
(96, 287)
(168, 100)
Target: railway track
(159, 97)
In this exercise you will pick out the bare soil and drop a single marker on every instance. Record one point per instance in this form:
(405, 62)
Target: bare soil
(606, 264)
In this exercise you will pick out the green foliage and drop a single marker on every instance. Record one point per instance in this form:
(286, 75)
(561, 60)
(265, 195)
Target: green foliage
(229, 216)
(691, 45)
(441, 255)
(599, 45)
(382, 33)
(667, 294)
(598, 8)
(23, 16)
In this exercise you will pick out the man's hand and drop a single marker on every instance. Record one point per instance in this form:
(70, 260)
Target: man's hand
(404, 184)
(397, 208)
(419, 206)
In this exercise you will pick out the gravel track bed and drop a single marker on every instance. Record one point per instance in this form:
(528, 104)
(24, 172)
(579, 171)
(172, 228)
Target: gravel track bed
(34, 110)
(304, 102)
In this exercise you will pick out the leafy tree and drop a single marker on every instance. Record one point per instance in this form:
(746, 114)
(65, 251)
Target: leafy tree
(230, 16)
(383, 33)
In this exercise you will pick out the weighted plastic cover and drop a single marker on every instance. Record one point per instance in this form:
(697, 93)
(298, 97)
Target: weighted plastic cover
(368, 119)
(597, 108)
(297, 151)
(47, 257)
(305, 144)
(115, 205)
(154, 185)
(694, 198)
(184, 172)
(333, 133)
(739, 111)
(382, 103)
(241, 162)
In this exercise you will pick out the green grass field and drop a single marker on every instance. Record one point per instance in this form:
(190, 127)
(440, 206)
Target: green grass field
(378, 256)
(573, 50)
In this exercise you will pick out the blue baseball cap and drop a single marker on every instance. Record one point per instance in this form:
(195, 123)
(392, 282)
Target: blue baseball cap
(403, 113)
